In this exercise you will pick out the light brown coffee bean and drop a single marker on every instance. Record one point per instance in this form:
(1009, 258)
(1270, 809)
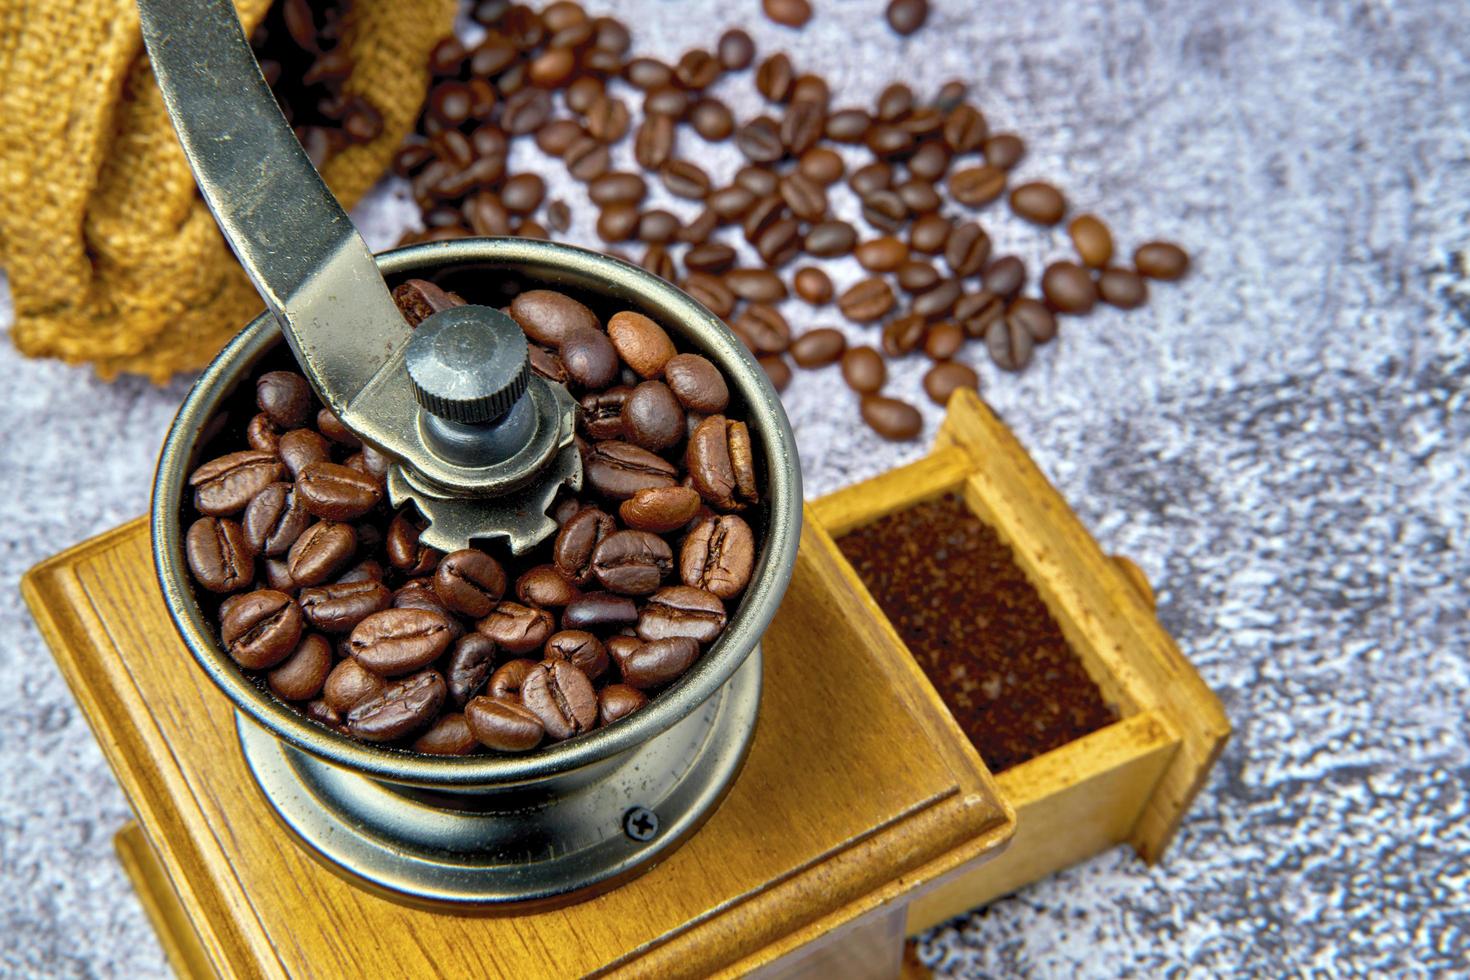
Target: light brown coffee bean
(813, 285)
(976, 186)
(721, 463)
(718, 555)
(891, 418)
(947, 377)
(660, 509)
(866, 301)
(1069, 288)
(1093, 241)
(1161, 260)
(818, 347)
(549, 317)
(1039, 202)
(863, 370)
(1122, 288)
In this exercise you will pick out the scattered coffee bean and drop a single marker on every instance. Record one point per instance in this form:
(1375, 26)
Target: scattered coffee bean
(1039, 202)
(891, 418)
(946, 377)
(1068, 287)
(1161, 260)
(907, 16)
(1093, 241)
(1122, 288)
(863, 370)
(790, 13)
(818, 347)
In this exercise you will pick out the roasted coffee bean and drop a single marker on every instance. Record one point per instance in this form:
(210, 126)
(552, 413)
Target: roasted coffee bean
(285, 397)
(1068, 287)
(349, 684)
(776, 369)
(301, 675)
(975, 312)
(876, 176)
(278, 577)
(1005, 276)
(323, 714)
(763, 329)
(576, 541)
(774, 77)
(666, 100)
(1161, 260)
(868, 300)
(508, 677)
(299, 448)
(503, 724)
(780, 242)
(620, 469)
(813, 285)
(632, 562)
(616, 188)
(681, 611)
(712, 257)
(788, 13)
(405, 553)
(848, 125)
(549, 317)
(881, 254)
(653, 143)
(697, 383)
(339, 606)
(321, 551)
(648, 73)
(718, 555)
(580, 649)
(818, 347)
(712, 120)
(523, 193)
(907, 16)
(526, 111)
(652, 417)
(931, 234)
(802, 125)
(721, 463)
(450, 735)
(331, 427)
(589, 358)
(919, 196)
(223, 486)
(562, 697)
(559, 215)
(367, 570)
(760, 181)
(420, 299)
(580, 96)
(263, 435)
(469, 582)
(967, 249)
(1122, 288)
(261, 628)
(756, 285)
(938, 300)
(337, 492)
(219, 554)
(735, 50)
(641, 343)
(485, 215)
(830, 239)
(891, 418)
(946, 377)
(889, 141)
(517, 629)
(1039, 202)
(885, 210)
(943, 341)
(903, 334)
(398, 641)
(618, 222)
(894, 102)
(470, 663)
(616, 702)
(760, 140)
(929, 162)
(1003, 150)
(916, 277)
(400, 709)
(531, 228)
(686, 180)
(601, 415)
(658, 226)
(699, 228)
(587, 159)
(697, 69)
(804, 196)
(599, 611)
(660, 509)
(863, 370)
(1009, 343)
(976, 186)
(544, 586)
(1093, 241)
(710, 291)
(822, 166)
(607, 120)
(657, 663)
(965, 129)
(1035, 317)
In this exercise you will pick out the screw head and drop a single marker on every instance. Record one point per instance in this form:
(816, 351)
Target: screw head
(640, 823)
(468, 364)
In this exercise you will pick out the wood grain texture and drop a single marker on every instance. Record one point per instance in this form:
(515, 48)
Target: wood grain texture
(858, 792)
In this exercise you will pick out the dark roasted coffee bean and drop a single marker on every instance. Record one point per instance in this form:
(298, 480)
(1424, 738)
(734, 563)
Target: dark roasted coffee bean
(1068, 287)
(1093, 241)
(871, 178)
(1039, 202)
(848, 125)
(340, 606)
(907, 16)
(975, 312)
(1035, 317)
(616, 702)
(405, 553)
(965, 129)
(903, 334)
(349, 684)
(818, 347)
(652, 417)
(400, 709)
(930, 233)
(320, 552)
(620, 469)
(641, 343)
(763, 329)
(223, 486)
(713, 257)
(618, 222)
(393, 642)
(331, 427)
(544, 586)
(943, 341)
(756, 285)
(813, 285)
(261, 628)
(1161, 260)
(1009, 344)
(736, 50)
(1122, 288)
(710, 291)
(929, 162)
(718, 555)
(967, 249)
(278, 577)
(885, 210)
(881, 254)
(420, 299)
(285, 397)
(337, 492)
(653, 144)
(946, 377)
(589, 358)
(576, 541)
(323, 714)
(1005, 276)
(658, 226)
(915, 276)
(617, 188)
(301, 675)
(549, 317)
(656, 664)
(263, 435)
(830, 239)
(580, 649)
(681, 611)
(760, 140)
(976, 186)
(503, 724)
(891, 418)
(219, 554)
(686, 180)
(697, 383)
(517, 629)
(660, 509)
(562, 697)
(469, 582)
(937, 301)
(508, 677)
(632, 562)
(599, 611)
(867, 300)
(863, 370)
(721, 463)
(450, 735)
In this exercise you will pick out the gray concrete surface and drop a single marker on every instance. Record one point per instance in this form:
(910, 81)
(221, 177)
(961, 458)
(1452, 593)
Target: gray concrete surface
(1281, 442)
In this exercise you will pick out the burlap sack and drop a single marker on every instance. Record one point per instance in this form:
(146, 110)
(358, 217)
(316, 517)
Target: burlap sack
(112, 256)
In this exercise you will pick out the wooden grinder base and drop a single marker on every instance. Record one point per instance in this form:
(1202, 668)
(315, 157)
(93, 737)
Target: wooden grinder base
(859, 792)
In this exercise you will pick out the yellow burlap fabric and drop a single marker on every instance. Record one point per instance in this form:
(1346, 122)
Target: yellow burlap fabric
(112, 256)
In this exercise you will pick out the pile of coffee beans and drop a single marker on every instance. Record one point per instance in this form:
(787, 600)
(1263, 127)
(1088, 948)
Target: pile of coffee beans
(925, 165)
(298, 45)
(330, 599)
(979, 630)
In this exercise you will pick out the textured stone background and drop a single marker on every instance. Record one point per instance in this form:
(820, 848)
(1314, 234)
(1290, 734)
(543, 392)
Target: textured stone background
(1281, 442)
